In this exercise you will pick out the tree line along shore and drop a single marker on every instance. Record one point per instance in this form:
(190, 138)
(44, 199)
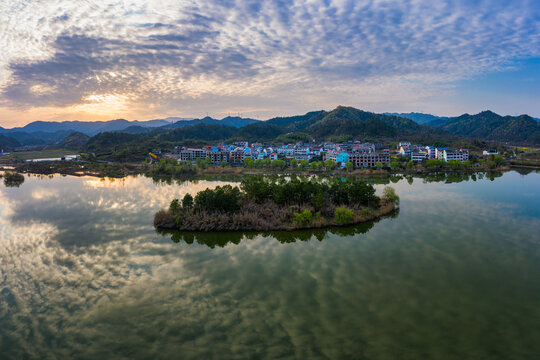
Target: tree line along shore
(178, 169)
(278, 203)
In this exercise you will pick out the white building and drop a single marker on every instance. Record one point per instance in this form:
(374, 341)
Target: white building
(420, 155)
(457, 155)
(404, 144)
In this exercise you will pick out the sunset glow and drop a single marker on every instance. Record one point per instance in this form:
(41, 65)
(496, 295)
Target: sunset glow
(96, 60)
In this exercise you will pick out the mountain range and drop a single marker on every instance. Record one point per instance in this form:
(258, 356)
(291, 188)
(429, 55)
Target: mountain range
(490, 126)
(339, 124)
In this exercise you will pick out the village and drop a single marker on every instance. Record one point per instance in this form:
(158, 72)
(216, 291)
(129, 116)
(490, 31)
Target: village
(355, 154)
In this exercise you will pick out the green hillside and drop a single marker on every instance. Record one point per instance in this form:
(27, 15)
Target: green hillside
(341, 123)
(8, 143)
(490, 126)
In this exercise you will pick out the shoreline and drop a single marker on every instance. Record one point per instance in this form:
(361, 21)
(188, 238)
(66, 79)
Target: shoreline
(121, 170)
(385, 209)
(328, 227)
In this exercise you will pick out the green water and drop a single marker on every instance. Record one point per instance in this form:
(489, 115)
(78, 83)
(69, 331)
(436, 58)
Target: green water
(454, 275)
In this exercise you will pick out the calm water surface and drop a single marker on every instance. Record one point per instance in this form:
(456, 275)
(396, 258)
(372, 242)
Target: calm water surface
(454, 275)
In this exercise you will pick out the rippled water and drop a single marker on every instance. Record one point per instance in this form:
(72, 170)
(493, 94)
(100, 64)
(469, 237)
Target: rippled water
(455, 274)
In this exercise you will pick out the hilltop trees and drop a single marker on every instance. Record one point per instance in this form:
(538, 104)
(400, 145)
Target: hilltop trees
(303, 191)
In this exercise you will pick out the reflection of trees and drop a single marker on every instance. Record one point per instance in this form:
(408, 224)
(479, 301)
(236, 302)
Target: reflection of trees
(524, 171)
(13, 179)
(456, 177)
(446, 177)
(494, 174)
(221, 239)
(179, 180)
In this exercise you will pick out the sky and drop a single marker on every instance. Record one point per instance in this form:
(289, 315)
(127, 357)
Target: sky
(138, 59)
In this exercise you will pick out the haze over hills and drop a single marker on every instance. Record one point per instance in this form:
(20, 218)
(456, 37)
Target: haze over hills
(338, 124)
(86, 127)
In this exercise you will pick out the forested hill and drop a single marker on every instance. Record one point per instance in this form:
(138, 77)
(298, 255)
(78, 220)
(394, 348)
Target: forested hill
(490, 126)
(8, 142)
(342, 123)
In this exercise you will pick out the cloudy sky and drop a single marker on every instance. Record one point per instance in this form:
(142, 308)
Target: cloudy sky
(135, 59)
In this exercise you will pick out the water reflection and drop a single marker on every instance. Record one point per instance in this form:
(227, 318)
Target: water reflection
(83, 274)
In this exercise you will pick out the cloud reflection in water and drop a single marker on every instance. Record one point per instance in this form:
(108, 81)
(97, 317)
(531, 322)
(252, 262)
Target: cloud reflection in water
(84, 274)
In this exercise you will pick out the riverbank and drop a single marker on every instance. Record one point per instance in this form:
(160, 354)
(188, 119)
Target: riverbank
(119, 170)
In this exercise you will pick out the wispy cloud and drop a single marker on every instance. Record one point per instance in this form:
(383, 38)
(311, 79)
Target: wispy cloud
(173, 56)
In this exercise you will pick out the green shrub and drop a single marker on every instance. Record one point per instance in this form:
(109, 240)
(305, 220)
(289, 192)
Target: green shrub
(343, 216)
(178, 220)
(303, 218)
(389, 193)
(187, 201)
(366, 212)
(174, 205)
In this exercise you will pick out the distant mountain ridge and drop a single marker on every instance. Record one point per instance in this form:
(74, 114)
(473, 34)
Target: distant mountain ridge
(85, 127)
(490, 126)
(53, 132)
(342, 123)
(236, 122)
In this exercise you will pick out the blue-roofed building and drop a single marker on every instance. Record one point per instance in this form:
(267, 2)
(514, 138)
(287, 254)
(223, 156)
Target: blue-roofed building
(342, 157)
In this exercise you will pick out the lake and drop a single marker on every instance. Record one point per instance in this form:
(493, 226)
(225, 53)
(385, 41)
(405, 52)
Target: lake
(454, 274)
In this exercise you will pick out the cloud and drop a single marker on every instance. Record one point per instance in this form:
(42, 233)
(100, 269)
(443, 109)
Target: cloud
(185, 55)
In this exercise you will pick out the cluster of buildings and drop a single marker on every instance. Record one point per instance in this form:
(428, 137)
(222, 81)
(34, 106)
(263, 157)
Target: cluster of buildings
(418, 153)
(236, 153)
(360, 154)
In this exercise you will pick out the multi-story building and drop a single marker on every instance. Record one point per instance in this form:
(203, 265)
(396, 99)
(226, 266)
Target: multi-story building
(419, 155)
(403, 144)
(218, 156)
(439, 152)
(431, 151)
(191, 154)
(369, 159)
(405, 150)
(237, 155)
(457, 155)
(342, 158)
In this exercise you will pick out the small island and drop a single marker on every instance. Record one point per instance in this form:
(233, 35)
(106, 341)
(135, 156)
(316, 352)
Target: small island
(278, 203)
